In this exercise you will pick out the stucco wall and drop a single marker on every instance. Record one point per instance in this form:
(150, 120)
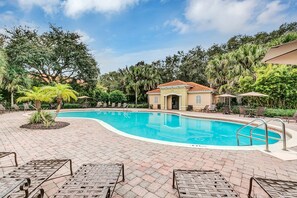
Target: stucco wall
(206, 99)
(151, 100)
(182, 91)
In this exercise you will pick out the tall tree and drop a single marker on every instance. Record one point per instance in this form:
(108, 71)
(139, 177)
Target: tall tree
(3, 65)
(54, 56)
(193, 66)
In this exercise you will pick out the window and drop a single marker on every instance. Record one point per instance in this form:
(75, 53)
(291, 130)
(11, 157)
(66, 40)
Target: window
(156, 99)
(198, 99)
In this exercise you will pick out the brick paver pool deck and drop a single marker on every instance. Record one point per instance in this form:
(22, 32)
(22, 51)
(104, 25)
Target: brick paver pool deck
(148, 166)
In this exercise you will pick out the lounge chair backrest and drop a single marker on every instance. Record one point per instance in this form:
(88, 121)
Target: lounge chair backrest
(26, 106)
(16, 107)
(124, 105)
(226, 110)
(113, 104)
(119, 105)
(99, 104)
(212, 107)
(260, 111)
(2, 108)
(242, 110)
(206, 107)
(105, 104)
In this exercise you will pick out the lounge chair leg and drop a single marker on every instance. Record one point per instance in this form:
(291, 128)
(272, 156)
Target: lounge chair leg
(108, 193)
(70, 163)
(15, 159)
(123, 173)
(173, 179)
(251, 186)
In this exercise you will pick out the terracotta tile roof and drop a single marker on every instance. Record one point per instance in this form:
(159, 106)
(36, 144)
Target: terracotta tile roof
(173, 83)
(154, 91)
(198, 87)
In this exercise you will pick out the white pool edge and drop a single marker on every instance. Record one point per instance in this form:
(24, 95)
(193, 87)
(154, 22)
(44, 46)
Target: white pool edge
(292, 141)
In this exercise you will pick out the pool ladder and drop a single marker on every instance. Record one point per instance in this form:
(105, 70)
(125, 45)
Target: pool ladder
(255, 124)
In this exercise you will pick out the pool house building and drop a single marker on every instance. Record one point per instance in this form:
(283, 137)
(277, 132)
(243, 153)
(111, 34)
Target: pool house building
(180, 95)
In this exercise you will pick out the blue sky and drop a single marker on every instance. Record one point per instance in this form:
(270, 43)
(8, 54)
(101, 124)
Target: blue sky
(123, 32)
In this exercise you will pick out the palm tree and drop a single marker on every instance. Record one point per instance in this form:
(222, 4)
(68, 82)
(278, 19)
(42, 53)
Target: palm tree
(134, 80)
(15, 81)
(37, 95)
(151, 76)
(3, 65)
(62, 92)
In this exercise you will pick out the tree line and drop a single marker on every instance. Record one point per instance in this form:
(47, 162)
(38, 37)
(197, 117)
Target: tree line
(232, 67)
(28, 58)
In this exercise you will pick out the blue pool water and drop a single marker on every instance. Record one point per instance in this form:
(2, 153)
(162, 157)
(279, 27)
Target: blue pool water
(173, 128)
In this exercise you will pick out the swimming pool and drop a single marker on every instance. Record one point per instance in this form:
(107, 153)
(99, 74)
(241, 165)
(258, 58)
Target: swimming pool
(172, 128)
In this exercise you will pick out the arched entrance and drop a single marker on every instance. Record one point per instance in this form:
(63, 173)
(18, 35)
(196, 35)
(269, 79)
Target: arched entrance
(173, 102)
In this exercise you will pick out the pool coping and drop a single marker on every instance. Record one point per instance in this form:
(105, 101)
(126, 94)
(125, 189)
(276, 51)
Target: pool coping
(291, 141)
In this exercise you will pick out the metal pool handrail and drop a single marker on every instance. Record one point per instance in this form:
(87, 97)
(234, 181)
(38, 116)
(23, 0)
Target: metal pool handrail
(251, 135)
(283, 131)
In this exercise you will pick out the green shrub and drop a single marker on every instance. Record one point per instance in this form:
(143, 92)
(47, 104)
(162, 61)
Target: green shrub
(104, 97)
(71, 106)
(117, 96)
(279, 112)
(44, 117)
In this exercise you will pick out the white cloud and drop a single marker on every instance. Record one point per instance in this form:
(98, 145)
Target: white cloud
(223, 15)
(48, 6)
(74, 8)
(110, 60)
(178, 26)
(273, 12)
(230, 16)
(85, 38)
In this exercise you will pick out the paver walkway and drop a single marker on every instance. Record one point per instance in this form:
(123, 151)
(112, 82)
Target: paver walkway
(148, 166)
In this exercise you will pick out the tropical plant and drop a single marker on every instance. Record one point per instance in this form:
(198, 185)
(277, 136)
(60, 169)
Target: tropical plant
(44, 117)
(3, 65)
(15, 81)
(134, 80)
(61, 92)
(37, 95)
(117, 96)
(104, 97)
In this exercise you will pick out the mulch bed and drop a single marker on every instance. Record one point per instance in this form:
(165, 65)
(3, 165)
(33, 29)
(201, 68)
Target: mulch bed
(56, 125)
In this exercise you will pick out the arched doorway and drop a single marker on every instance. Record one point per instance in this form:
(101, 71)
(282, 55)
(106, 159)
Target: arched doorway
(175, 102)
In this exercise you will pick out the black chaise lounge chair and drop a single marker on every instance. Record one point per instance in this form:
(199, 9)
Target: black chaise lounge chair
(27, 178)
(92, 180)
(275, 188)
(4, 154)
(201, 183)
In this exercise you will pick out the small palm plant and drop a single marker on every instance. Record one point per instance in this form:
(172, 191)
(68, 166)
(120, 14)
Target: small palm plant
(62, 92)
(36, 95)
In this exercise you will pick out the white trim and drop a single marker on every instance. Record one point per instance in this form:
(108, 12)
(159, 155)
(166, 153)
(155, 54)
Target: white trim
(291, 142)
(175, 86)
(208, 91)
(170, 94)
(153, 93)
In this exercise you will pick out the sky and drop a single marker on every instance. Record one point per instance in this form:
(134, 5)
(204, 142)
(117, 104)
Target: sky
(121, 33)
